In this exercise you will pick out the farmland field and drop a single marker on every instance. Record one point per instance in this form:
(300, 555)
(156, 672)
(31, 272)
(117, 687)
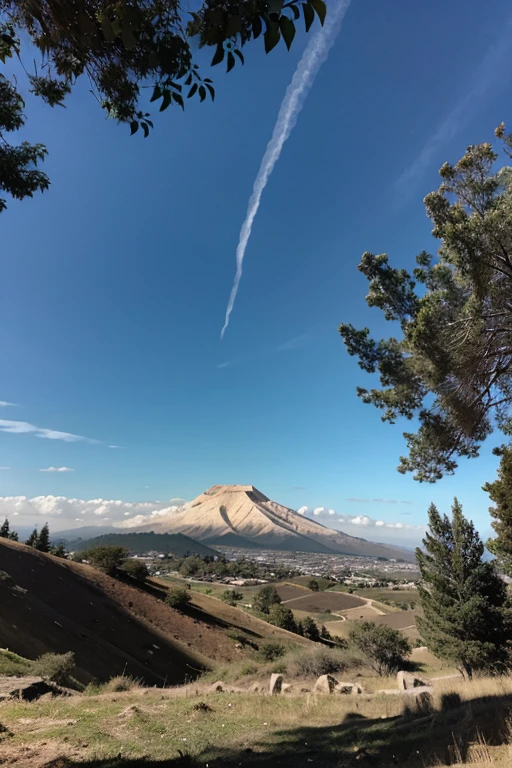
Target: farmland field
(381, 593)
(321, 581)
(399, 620)
(290, 591)
(318, 602)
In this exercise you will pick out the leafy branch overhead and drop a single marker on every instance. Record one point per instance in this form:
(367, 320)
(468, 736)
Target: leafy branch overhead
(451, 366)
(122, 48)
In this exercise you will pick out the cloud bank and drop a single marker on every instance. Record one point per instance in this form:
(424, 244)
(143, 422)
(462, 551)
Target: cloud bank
(57, 469)
(23, 428)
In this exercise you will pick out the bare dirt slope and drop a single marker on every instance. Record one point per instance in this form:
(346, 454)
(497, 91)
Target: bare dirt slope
(241, 515)
(52, 605)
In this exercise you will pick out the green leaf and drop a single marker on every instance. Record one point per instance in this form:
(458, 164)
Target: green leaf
(287, 30)
(231, 62)
(128, 38)
(134, 127)
(240, 55)
(165, 101)
(320, 8)
(256, 27)
(188, 81)
(212, 90)
(157, 93)
(106, 28)
(309, 15)
(178, 99)
(149, 123)
(272, 36)
(174, 85)
(207, 80)
(218, 55)
(192, 91)
(145, 128)
(233, 26)
(296, 11)
(202, 92)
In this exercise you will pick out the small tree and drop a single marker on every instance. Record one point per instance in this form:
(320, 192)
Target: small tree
(4, 529)
(313, 585)
(271, 651)
(177, 598)
(324, 633)
(300, 629)
(107, 559)
(58, 550)
(310, 629)
(231, 596)
(281, 616)
(56, 667)
(136, 569)
(464, 601)
(500, 492)
(43, 540)
(13, 536)
(265, 599)
(384, 648)
(32, 539)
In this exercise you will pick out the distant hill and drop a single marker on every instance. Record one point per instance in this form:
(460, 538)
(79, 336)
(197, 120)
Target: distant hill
(53, 605)
(240, 515)
(139, 543)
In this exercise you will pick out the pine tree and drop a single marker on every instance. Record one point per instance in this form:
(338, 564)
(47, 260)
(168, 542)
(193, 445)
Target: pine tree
(500, 492)
(32, 539)
(300, 629)
(43, 540)
(464, 601)
(13, 536)
(310, 629)
(4, 529)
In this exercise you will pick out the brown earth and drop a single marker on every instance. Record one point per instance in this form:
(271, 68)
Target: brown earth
(318, 602)
(291, 591)
(54, 605)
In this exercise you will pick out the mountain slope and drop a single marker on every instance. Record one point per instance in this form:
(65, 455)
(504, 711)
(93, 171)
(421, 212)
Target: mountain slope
(139, 543)
(236, 513)
(53, 605)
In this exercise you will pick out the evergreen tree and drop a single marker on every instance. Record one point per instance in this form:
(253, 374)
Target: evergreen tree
(265, 599)
(466, 611)
(4, 529)
(281, 616)
(13, 536)
(58, 550)
(32, 539)
(310, 629)
(300, 629)
(43, 540)
(324, 633)
(500, 492)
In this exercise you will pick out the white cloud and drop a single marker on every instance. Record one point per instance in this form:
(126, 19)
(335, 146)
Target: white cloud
(5, 404)
(295, 343)
(67, 510)
(302, 510)
(318, 510)
(361, 520)
(57, 469)
(23, 427)
(331, 512)
(3, 468)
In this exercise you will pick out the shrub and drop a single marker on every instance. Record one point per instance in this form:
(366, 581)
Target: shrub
(383, 647)
(231, 596)
(271, 651)
(136, 569)
(313, 662)
(313, 585)
(56, 667)
(265, 599)
(107, 559)
(310, 629)
(280, 668)
(120, 683)
(177, 598)
(248, 669)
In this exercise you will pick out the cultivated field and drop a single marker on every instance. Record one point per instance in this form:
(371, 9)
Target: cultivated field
(317, 602)
(288, 591)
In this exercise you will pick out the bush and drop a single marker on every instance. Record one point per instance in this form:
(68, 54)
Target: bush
(231, 596)
(177, 598)
(313, 662)
(271, 651)
(383, 647)
(249, 669)
(120, 683)
(136, 569)
(107, 559)
(312, 584)
(310, 629)
(56, 667)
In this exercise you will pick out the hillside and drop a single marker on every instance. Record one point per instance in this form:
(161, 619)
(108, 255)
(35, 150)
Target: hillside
(139, 543)
(236, 514)
(54, 605)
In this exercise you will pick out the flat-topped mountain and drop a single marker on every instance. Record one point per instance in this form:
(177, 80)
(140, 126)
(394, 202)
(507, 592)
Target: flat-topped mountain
(240, 515)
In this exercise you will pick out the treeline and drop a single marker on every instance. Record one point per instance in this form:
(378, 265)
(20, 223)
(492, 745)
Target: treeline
(39, 540)
(140, 543)
(220, 568)
(268, 604)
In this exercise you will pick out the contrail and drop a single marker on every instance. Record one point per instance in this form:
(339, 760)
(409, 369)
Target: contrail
(312, 59)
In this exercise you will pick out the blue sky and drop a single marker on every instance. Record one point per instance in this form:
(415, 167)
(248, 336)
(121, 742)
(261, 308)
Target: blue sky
(115, 281)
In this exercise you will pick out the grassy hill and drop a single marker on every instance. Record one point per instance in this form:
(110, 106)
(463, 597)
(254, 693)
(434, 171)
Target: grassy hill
(138, 543)
(54, 605)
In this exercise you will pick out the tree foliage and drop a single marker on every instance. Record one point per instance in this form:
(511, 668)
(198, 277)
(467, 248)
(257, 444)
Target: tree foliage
(6, 532)
(384, 648)
(43, 539)
(500, 492)
(178, 598)
(124, 47)
(281, 616)
(265, 599)
(136, 569)
(310, 629)
(107, 559)
(466, 613)
(451, 366)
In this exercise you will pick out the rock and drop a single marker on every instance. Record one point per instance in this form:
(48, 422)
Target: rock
(348, 688)
(407, 682)
(28, 688)
(287, 688)
(217, 687)
(325, 684)
(305, 690)
(255, 688)
(276, 682)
